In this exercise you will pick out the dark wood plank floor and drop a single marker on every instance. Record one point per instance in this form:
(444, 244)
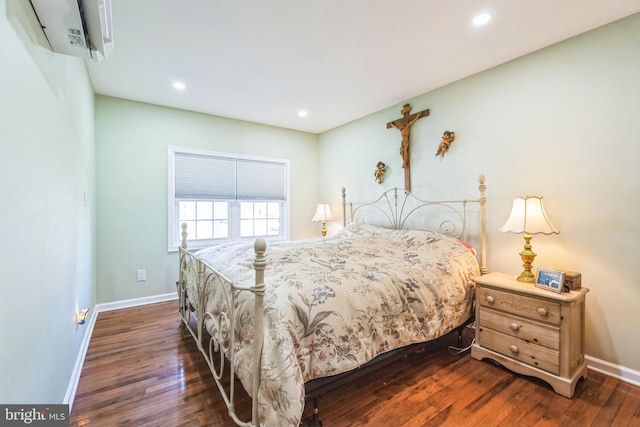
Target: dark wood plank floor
(142, 369)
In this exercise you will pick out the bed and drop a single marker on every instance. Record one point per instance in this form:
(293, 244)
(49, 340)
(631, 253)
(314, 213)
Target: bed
(295, 312)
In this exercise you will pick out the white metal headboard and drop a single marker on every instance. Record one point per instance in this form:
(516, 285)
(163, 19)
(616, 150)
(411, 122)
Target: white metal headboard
(398, 209)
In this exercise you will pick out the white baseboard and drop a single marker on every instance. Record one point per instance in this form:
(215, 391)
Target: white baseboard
(116, 305)
(82, 352)
(620, 372)
(77, 368)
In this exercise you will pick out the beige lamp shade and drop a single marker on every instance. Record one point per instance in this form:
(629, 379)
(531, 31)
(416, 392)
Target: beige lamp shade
(323, 213)
(528, 216)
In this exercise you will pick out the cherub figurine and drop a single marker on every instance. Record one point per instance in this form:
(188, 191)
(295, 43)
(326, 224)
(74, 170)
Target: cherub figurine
(379, 172)
(447, 140)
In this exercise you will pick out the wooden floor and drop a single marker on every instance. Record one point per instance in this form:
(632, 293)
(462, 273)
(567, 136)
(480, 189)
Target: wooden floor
(142, 369)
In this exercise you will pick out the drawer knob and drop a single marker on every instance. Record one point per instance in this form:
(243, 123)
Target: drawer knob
(490, 299)
(513, 348)
(514, 327)
(542, 312)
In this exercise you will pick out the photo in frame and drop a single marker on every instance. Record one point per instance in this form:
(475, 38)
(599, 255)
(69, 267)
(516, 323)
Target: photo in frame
(551, 280)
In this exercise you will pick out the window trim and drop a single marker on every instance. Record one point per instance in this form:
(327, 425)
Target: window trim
(173, 240)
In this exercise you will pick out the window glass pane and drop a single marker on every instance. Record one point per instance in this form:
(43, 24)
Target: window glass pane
(260, 227)
(246, 210)
(205, 210)
(246, 227)
(260, 210)
(204, 230)
(187, 210)
(273, 210)
(220, 229)
(273, 227)
(221, 210)
(205, 219)
(260, 219)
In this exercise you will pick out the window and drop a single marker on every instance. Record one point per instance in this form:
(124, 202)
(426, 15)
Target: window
(223, 197)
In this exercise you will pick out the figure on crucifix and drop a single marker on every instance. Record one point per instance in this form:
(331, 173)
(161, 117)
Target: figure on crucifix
(403, 124)
(405, 144)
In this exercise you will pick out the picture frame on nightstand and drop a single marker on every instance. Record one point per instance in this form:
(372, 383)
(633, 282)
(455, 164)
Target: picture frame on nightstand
(552, 280)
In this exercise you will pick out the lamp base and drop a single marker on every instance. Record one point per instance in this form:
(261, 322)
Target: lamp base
(527, 258)
(527, 277)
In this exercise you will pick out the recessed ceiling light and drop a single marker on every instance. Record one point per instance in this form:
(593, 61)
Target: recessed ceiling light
(179, 85)
(302, 113)
(481, 19)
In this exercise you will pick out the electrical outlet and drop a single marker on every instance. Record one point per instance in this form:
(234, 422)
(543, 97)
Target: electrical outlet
(142, 275)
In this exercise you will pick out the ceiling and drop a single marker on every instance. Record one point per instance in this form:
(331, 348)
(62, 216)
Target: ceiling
(339, 60)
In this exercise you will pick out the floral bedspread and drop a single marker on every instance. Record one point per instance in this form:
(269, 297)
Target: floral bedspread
(332, 304)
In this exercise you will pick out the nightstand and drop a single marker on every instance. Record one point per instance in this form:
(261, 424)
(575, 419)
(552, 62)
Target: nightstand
(531, 331)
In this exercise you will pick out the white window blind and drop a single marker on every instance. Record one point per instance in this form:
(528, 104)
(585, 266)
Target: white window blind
(210, 177)
(260, 180)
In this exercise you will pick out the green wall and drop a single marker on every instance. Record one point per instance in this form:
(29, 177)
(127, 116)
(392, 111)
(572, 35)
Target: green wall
(132, 141)
(562, 123)
(47, 221)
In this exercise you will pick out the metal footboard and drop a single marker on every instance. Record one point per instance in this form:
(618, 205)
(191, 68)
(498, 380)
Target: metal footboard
(219, 345)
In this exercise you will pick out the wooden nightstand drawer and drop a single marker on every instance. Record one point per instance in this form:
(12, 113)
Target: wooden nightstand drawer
(519, 327)
(532, 308)
(531, 354)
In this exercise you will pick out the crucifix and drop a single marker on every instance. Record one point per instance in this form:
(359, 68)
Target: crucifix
(403, 124)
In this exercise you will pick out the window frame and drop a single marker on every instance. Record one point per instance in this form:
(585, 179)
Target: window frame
(173, 221)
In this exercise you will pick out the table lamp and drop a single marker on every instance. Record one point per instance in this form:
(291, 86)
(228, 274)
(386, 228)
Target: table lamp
(528, 217)
(323, 213)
